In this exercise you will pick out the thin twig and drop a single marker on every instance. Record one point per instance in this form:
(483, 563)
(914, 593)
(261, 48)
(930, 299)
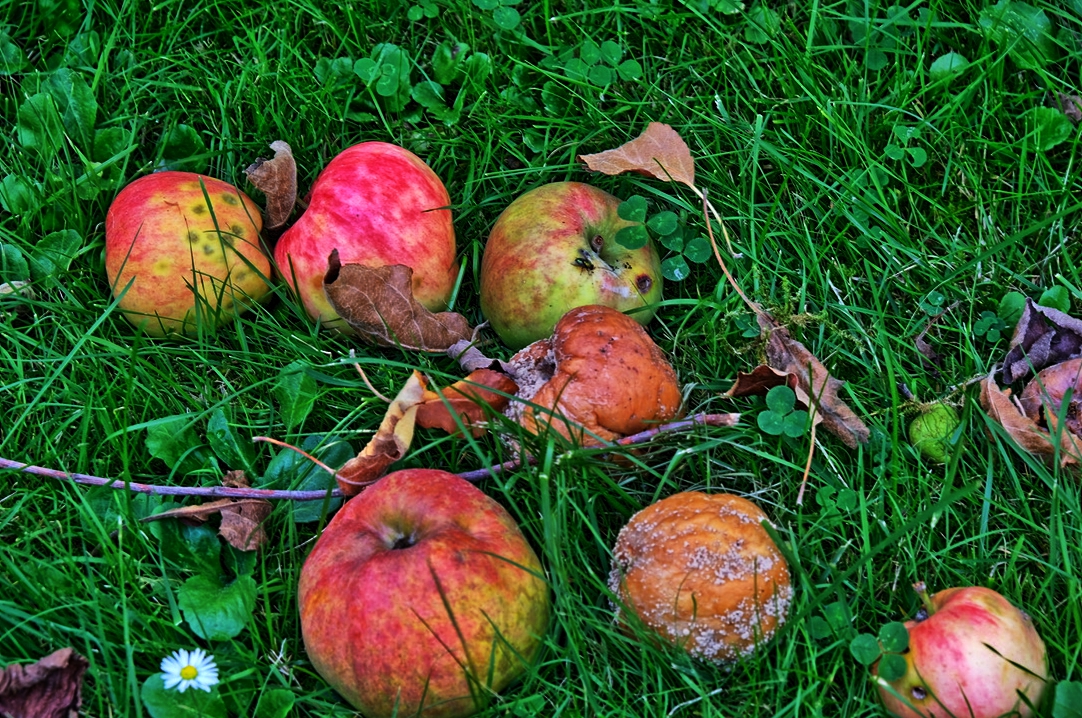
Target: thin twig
(353, 355)
(717, 255)
(273, 494)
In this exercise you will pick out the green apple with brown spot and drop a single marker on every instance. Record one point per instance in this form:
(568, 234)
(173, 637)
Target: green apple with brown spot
(554, 248)
(182, 250)
(422, 598)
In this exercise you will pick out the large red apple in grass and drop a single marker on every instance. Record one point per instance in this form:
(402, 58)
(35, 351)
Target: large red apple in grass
(553, 249)
(377, 204)
(972, 655)
(422, 597)
(189, 247)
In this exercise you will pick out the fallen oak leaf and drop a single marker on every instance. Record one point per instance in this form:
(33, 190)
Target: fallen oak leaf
(469, 399)
(659, 152)
(791, 357)
(1031, 438)
(50, 688)
(378, 303)
(1042, 337)
(242, 519)
(392, 439)
(276, 178)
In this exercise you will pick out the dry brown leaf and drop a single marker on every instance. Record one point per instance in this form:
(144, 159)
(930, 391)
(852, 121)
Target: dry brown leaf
(1001, 407)
(468, 400)
(378, 303)
(50, 688)
(791, 357)
(1071, 106)
(658, 152)
(390, 443)
(1043, 337)
(242, 519)
(763, 378)
(276, 178)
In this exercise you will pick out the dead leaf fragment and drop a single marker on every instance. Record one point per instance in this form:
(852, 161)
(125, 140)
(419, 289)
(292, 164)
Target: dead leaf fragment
(791, 357)
(378, 303)
(1071, 106)
(242, 519)
(467, 400)
(1001, 407)
(276, 178)
(759, 381)
(392, 439)
(658, 152)
(1043, 337)
(50, 688)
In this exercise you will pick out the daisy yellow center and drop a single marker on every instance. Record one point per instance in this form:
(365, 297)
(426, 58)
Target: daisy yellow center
(189, 672)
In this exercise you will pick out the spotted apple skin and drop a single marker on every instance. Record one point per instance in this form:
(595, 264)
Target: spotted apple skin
(378, 592)
(178, 252)
(951, 672)
(553, 249)
(377, 204)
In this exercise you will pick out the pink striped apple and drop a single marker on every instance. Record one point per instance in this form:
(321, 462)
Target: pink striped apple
(971, 653)
(422, 597)
(553, 249)
(377, 204)
(189, 247)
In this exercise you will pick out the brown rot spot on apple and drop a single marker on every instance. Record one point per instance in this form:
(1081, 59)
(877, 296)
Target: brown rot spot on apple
(229, 199)
(596, 242)
(643, 283)
(199, 209)
(237, 229)
(919, 693)
(208, 249)
(193, 236)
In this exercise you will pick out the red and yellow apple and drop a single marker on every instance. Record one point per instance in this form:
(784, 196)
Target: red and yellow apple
(188, 245)
(377, 204)
(422, 597)
(971, 653)
(553, 249)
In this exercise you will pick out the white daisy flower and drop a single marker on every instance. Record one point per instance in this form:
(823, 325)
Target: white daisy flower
(185, 669)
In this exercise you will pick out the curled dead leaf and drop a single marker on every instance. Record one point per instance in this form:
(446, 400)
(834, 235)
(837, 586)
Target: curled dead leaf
(378, 303)
(1042, 337)
(658, 152)
(815, 385)
(276, 178)
(50, 688)
(763, 378)
(470, 399)
(1024, 430)
(392, 439)
(241, 519)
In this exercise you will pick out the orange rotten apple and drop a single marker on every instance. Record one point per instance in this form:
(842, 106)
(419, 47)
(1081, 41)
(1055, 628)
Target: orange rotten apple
(422, 597)
(378, 204)
(971, 653)
(554, 248)
(700, 570)
(189, 247)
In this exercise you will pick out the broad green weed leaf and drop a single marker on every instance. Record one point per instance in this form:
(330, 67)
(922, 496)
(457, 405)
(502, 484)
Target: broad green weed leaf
(428, 94)
(13, 265)
(1056, 297)
(1011, 307)
(296, 393)
(275, 703)
(894, 637)
(601, 75)
(1023, 29)
(192, 548)
(366, 69)
(83, 50)
(947, 66)
(771, 422)
(633, 209)
(1068, 702)
(12, 58)
(76, 104)
(763, 24)
(576, 69)
(917, 156)
(590, 52)
(875, 59)
(675, 269)
(478, 67)
(446, 60)
(865, 648)
(634, 237)
(1048, 127)
(162, 702)
(698, 250)
(892, 666)
(109, 143)
(781, 399)
(54, 253)
(487, 4)
(795, 424)
(216, 611)
(330, 71)
(237, 453)
(415, 13)
(611, 52)
(819, 628)
(894, 152)
(847, 499)
(39, 126)
(175, 442)
(629, 70)
(18, 196)
(506, 18)
(182, 148)
(664, 223)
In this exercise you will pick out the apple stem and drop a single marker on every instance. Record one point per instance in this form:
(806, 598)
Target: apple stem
(925, 599)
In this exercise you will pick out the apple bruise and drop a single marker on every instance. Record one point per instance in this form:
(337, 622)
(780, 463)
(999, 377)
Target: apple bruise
(600, 373)
(375, 592)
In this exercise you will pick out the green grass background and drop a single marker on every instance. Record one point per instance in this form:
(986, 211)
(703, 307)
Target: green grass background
(789, 131)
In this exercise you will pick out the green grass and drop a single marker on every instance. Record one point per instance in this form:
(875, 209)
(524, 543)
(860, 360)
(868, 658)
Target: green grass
(840, 241)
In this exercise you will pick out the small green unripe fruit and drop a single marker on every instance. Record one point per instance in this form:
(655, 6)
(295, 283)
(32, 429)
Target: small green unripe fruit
(931, 430)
